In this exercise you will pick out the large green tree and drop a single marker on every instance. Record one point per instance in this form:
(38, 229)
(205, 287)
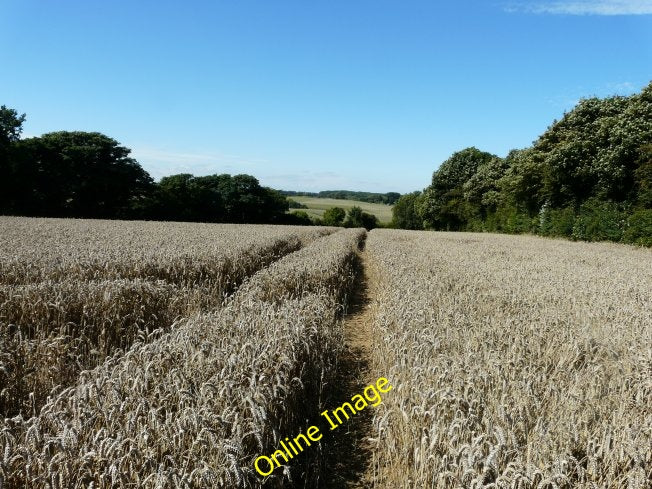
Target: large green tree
(218, 198)
(443, 205)
(333, 216)
(588, 176)
(482, 190)
(357, 218)
(75, 174)
(11, 126)
(593, 151)
(406, 214)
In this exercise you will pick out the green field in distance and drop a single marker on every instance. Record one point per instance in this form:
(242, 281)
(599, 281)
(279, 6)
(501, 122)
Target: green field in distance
(317, 206)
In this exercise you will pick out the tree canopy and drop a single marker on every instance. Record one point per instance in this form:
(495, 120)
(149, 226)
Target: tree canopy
(88, 174)
(370, 197)
(218, 198)
(443, 205)
(588, 176)
(74, 174)
(333, 216)
(357, 218)
(11, 126)
(405, 214)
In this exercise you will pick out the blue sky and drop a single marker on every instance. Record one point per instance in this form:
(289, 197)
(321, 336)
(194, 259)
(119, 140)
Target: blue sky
(315, 95)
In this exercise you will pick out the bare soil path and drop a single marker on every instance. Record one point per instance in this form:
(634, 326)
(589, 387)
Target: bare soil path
(347, 452)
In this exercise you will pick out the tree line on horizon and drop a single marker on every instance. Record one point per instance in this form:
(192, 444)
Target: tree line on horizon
(587, 177)
(388, 198)
(89, 175)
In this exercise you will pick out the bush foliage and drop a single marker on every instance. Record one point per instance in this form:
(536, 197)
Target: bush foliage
(588, 177)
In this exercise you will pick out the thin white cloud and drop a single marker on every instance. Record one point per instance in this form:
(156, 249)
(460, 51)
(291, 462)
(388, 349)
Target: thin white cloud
(623, 87)
(314, 181)
(570, 97)
(584, 7)
(160, 163)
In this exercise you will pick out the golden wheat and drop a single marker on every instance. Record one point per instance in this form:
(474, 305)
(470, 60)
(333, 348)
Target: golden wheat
(76, 291)
(37, 249)
(172, 355)
(193, 407)
(520, 362)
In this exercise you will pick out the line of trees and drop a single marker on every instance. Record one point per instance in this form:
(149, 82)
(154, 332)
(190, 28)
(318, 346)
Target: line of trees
(90, 175)
(588, 177)
(388, 198)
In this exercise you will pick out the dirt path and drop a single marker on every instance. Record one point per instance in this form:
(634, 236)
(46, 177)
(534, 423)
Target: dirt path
(347, 454)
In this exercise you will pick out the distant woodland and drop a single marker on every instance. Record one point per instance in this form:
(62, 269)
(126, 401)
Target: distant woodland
(587, 177)
(89, 175)
(371, 197)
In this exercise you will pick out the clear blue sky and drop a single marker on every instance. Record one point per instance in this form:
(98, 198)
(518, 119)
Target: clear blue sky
(315, 95)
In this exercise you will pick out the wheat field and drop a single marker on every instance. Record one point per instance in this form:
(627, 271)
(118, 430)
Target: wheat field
(156, 355)
(521, 362)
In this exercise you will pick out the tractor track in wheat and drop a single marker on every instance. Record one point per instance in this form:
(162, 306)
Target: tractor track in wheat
(347, 450)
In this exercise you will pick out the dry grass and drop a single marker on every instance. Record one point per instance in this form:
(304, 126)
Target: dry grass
(51, 331)
(520, 362)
